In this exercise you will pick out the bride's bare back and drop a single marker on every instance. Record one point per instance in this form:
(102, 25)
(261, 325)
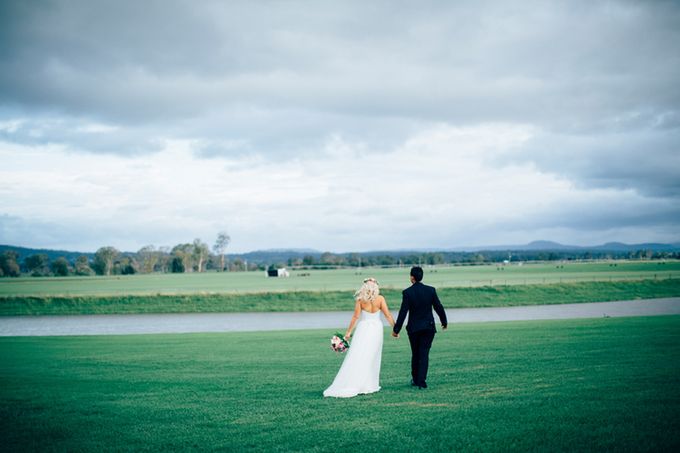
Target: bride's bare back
(372, 306)
(378, 304)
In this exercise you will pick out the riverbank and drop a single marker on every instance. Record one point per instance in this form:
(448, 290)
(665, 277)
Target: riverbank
(247, 322)
(315, 301)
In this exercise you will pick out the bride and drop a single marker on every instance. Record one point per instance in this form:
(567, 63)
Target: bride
(360, 371)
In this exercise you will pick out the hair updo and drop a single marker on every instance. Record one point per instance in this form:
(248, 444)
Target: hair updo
(368, 291)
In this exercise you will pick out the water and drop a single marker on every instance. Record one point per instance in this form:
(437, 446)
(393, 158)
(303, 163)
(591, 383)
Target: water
(244, 322)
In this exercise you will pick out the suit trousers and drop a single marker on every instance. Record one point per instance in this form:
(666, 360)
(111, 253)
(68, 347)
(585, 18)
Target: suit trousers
(421, 342)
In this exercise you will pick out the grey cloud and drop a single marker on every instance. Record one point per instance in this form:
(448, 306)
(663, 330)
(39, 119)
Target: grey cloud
(551, 63)
(292, 133)
(645, 160)
(582, 222)
(597, 80)
(598, 216)
(15, 230)
(81, 135)
(44, 234)
(89, 235)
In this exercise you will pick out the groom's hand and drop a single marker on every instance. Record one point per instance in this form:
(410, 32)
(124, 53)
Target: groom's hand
(395, 335)
(445, 326)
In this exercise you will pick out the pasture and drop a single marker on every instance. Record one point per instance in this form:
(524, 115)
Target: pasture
(337, 279)
(572, 385)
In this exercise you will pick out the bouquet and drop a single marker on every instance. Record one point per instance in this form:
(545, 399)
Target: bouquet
(338, 343)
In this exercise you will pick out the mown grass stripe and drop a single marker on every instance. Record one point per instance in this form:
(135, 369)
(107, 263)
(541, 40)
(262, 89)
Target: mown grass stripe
(567, 385)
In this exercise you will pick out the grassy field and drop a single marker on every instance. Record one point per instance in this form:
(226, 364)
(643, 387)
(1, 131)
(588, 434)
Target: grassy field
(335, 280)
(574, 385)
(511, 295)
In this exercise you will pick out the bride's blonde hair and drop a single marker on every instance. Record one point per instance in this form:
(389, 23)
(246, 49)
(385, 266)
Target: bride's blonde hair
(368, 291)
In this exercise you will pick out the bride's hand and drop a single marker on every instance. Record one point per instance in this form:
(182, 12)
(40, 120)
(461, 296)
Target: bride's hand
(348, 336)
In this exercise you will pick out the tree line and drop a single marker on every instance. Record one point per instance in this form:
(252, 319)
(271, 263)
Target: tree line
(189, 257)
(198, 256)
(390, 259)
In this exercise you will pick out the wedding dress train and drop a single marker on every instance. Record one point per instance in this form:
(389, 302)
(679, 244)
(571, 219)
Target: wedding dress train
(360, 371)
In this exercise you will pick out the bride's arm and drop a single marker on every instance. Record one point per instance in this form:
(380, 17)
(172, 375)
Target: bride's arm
(355, 316)
(386, 312)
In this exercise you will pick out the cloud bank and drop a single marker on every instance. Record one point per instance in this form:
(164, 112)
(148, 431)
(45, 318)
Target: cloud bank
(339, 126)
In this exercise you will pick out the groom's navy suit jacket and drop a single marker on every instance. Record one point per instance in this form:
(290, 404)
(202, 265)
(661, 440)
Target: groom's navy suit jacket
(418, 301)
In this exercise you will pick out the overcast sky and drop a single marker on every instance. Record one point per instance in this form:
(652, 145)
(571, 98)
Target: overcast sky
(339, 126)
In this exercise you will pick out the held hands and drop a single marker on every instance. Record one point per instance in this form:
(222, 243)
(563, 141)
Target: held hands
(445, 326)
(395, 335)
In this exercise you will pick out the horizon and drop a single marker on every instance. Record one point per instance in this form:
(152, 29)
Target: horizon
(346, 126)
(459, 249)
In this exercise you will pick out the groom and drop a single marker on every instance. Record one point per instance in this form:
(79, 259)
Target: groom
(419, 300)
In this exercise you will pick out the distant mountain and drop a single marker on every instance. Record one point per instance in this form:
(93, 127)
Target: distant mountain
(292, 250)
(621, 247)
(549, 245)
(275, 255)
(556, 246)
(52, 254)
(531, 246)
(283, 255)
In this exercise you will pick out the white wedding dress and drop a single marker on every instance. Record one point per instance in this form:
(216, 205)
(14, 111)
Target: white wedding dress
(360, 371)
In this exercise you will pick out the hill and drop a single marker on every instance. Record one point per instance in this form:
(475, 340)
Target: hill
(51, 254)
(532, 250)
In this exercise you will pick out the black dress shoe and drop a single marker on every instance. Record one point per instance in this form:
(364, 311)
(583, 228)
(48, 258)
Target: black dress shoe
(422, 386)
(413, 383)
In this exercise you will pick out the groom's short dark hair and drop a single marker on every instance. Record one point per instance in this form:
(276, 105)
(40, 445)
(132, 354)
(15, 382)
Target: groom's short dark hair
(417, 273)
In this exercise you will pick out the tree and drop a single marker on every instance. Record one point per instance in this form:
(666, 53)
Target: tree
(478, 258)
(38, 264)
(60, 267)
(149, 257)
(200, 253)
(126, 266)
(220, 246)
(164, 259)
(435, 258)
(177, 265)
(83, 266)
(8, 264)
(354, 259)
(103, 260)
(237, 265)
(386, 260)
(327, 258)
(185, 253)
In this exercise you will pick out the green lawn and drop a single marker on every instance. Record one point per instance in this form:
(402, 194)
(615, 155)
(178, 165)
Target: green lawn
(574, 385)
(479, 296)
(335, 280)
